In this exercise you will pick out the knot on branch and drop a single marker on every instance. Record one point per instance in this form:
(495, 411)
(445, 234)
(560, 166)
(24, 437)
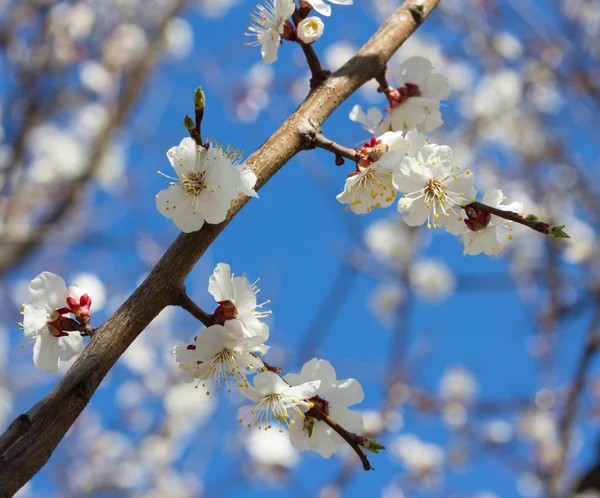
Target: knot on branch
(308, 135)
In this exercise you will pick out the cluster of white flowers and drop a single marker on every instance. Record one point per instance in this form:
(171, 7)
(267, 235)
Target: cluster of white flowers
(208, 179)
(46, 323)
(226, 353)
(270, 24)
(400, 164)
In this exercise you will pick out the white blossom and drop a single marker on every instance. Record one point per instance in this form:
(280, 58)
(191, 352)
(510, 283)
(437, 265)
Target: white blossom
(370, 186)
(391, 240)
(274, 399)
(310, 29)
(489, 238)
(206, 183)
(42, 323)
(333, 396)
(271, 449)
(236, 298)
(222, 352)
(432, 279)
(416, 103)
(435, 190)
(458, 385)
(325, 10)
(267, 26)
(419, 458)
(370, 119)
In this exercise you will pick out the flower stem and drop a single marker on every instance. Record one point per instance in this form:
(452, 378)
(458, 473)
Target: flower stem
(352, 439)
(319, 75)
(184, 301)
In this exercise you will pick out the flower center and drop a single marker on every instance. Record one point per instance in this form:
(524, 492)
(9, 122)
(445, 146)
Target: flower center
(434, 189)
(54, 324)
(225, 311)
(193, 184)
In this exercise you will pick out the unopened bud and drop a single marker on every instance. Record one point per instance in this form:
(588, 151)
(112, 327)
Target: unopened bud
(370, 444)
(199, 99)
(189, 123)
(532, 217)
(557, 232)
(310, 29)
(339, 161)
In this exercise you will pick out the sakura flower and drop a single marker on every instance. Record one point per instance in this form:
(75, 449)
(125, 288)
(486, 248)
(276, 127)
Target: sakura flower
(435, 190)
(42, 322)
(206, 183)
(458, 385)
(370, 186)
(236, 299)
(419, 458)
(488, 233)
(333, 397)
(274, 399)
(267, 25)
(391, 240)
(220, 352)
(310, 29)
(325, 10)
(416, 102)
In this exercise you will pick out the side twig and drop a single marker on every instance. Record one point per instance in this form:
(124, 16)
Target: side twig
(321, 142)
(528, 220)
(184, 301)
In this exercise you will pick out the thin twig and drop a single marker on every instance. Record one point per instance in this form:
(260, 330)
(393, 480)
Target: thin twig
(184, 301)
(521, 218)
(381, 78)
(351, 438)
(319, 75)
(322, 142)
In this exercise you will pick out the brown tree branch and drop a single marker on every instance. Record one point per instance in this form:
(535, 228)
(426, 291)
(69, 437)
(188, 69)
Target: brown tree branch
(52, 417)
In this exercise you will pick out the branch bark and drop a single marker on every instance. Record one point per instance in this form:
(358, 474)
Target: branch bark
(52, 417)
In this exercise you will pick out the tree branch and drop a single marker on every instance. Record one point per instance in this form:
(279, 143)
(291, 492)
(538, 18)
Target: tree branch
(52, 417)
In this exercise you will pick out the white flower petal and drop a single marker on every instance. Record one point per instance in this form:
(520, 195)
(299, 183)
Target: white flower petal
(49, 291)
(34, 320)
(416, 211)
(415, 70)
(46, 352)
(219, 283)
(70, 345)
